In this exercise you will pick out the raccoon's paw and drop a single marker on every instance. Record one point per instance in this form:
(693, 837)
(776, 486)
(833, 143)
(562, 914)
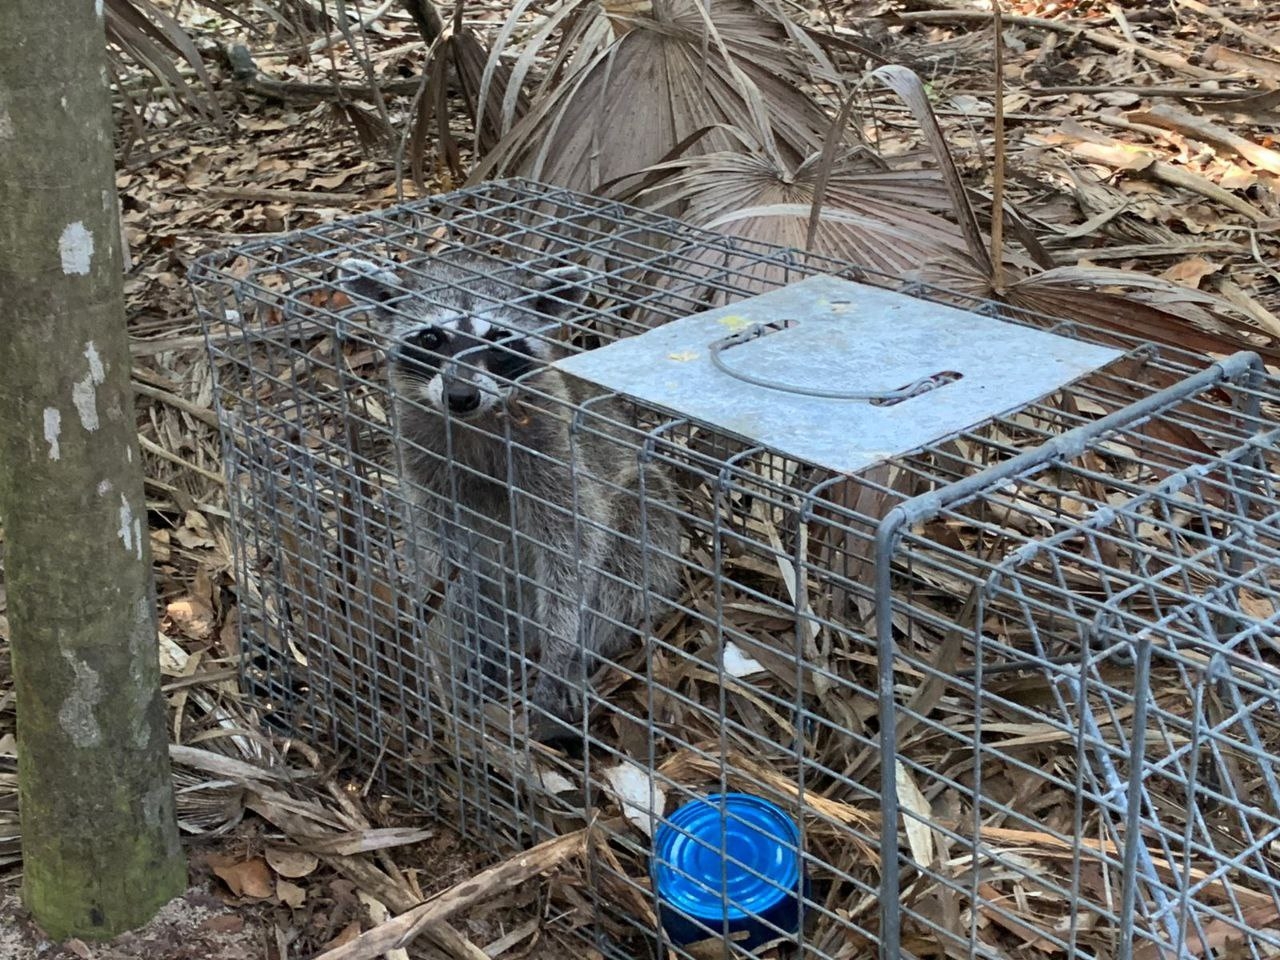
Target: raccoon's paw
(489, 678)
(557, 696)
(555, 709)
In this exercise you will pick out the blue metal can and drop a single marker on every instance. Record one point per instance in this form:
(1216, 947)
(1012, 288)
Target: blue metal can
(728, 857)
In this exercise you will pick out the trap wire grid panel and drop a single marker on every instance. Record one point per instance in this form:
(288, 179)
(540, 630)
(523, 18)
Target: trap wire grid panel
(1018, 692)
(840, 374)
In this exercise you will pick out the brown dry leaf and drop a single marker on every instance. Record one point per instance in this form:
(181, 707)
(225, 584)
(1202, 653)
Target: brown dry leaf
(917, 814)
(1217, 937)
(345, 936)
(160, 551)
(202, 587)
(1232, 58)
(290, 861)
(246, 878)
(1236, 177)
(290, 894)
(1191, 271)
(225, 923)
(1256, 606)
(194, 532)
(1120, 157)
(377, 910)
(335, 180)
(192, 616)
(229, 635)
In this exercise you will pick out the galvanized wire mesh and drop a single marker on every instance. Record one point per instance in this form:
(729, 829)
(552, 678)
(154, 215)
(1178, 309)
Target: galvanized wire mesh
(1121, 654)
(1018, 688)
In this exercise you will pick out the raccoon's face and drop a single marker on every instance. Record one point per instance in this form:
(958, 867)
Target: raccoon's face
(462, 349)
(465, 364)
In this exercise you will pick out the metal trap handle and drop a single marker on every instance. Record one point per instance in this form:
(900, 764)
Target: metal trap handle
(877, 398)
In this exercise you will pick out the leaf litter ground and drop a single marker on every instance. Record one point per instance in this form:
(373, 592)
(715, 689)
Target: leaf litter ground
(289, 851)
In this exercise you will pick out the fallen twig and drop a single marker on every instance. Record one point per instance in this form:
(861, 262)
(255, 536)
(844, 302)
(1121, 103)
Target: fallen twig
(1143, 89)
(521, 868)
(151, 446)
(1097, 37)
(247, 76)
(1230, 25)
(1124, 157)
(1179, 120)
(203, 414)
(1138, 251)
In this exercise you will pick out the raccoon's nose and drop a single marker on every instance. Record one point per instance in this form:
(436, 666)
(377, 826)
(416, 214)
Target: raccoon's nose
(462, 397)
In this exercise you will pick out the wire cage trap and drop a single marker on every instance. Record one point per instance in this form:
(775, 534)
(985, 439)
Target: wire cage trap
(1007, 666)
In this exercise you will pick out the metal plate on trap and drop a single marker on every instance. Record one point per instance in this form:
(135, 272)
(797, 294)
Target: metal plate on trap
(838, 336)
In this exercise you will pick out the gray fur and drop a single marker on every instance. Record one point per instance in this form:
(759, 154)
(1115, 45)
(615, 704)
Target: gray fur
(575, 498)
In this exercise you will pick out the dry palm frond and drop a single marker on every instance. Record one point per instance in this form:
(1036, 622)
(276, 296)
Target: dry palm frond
(1142, 306)
(682, 79)
(482, 89)
(152, 39)
(368, 127)
(909, 87)
(458, 51)
(866, 217)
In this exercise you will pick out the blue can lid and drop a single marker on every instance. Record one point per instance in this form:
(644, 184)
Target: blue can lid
(762, 867)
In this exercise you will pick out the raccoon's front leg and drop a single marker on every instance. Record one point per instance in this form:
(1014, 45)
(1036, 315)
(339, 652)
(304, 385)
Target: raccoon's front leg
(491, 652)
(558, 687)
(476, 605)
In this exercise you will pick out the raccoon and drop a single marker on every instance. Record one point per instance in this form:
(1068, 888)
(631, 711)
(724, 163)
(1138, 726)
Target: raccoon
(517, 506)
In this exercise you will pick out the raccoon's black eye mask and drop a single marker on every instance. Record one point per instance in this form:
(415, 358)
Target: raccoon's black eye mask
(419, 351)
(428, 339)
(510, 359)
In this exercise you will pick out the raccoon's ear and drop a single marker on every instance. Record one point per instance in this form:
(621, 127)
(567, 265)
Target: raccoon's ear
(561, 289)
(366, 280)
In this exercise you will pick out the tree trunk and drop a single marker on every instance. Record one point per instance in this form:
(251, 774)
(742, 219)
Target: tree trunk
(99, 837)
